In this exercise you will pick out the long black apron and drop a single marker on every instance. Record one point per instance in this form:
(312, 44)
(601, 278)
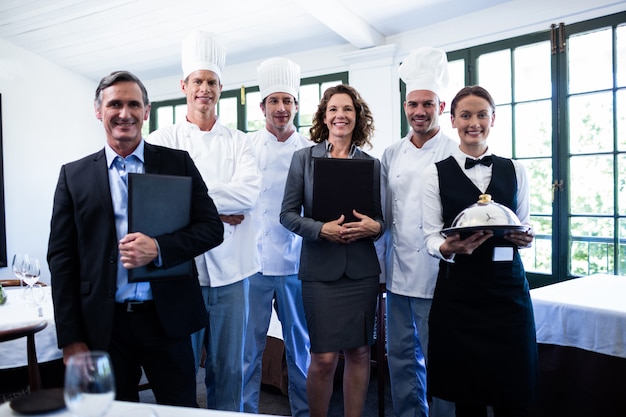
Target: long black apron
(482, 347)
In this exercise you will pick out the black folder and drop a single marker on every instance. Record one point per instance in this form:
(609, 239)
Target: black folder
(340, 185)
(158, 204)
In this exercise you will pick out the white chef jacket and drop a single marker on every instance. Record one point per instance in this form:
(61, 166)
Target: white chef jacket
(225, 159)
(279, 249)
(480, 176)
(409, 269)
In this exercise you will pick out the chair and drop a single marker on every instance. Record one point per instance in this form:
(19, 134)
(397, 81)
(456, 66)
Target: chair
(34, 377)
(10, 282)
(16, 283)
(380, 349)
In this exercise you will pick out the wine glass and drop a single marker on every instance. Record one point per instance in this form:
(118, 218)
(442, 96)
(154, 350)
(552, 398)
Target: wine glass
(31, 272)
(34, 295)
(89, 384)
(20, 264)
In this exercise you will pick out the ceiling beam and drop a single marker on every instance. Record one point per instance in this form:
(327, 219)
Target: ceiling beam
(344, 22)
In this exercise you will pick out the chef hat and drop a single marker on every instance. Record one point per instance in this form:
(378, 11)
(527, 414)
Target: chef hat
(278, 75)
(425, 69)
(202, 51)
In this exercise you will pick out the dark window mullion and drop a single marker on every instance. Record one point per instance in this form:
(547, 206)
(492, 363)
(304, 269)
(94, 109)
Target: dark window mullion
(561, 154)
(616, 154)
(513, 104)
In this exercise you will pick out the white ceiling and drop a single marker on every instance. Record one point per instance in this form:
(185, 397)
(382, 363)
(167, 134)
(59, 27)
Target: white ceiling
(94, 37)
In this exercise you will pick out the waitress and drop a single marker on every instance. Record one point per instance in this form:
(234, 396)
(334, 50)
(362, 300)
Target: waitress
(482, 350)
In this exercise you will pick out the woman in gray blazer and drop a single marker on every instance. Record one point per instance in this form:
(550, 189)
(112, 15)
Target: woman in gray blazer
(339, 268)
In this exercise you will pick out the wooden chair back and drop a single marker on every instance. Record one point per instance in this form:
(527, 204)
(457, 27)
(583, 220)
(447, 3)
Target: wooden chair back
(34, 377)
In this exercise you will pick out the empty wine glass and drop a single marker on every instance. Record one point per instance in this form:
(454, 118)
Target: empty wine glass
(31, 272)
(89, 384)
(20, 265)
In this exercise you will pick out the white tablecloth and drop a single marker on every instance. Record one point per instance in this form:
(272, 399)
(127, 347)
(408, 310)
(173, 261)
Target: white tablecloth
(588, 313)
(15, 313)
(128, 409)
(275, 329)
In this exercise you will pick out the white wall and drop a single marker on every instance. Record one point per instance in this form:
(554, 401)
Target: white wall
(47, 120)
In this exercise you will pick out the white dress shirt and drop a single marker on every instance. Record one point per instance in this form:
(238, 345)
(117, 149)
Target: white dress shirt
(480, 175)
(409, 269)
(225, 159)
(279, 248)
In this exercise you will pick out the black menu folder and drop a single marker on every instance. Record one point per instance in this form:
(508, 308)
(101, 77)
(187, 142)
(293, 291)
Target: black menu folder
(158, 204)
(340, 185)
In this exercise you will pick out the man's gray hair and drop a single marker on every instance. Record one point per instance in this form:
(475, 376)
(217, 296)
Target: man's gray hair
(118, 77)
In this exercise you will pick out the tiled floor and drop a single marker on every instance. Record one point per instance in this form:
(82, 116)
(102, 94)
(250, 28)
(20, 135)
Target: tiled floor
(273, 402)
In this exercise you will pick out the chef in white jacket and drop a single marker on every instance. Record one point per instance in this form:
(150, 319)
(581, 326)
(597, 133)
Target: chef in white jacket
(277, 283)
(410, 272)
(225, 158)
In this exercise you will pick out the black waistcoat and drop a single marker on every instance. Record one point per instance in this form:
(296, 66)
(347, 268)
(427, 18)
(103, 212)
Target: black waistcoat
(458, 191)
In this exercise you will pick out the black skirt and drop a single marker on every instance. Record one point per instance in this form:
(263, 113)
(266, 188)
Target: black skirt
(340, 314)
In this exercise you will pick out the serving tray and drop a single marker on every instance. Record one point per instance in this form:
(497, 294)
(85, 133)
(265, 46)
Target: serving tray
(498, 231)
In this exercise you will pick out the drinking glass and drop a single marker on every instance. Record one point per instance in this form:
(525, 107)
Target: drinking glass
(89, 384)
(34, 296)
(20, 265)
(31, 272)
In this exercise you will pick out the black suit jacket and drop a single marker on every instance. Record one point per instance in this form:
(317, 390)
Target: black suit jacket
(83, 250)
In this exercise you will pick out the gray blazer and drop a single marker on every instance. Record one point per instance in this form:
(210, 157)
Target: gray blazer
(321, 260)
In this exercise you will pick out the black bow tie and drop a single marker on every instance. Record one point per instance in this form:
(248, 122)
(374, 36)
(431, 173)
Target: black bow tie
(486, 161)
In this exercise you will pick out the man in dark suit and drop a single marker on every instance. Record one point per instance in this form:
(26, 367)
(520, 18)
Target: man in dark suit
(90, 251)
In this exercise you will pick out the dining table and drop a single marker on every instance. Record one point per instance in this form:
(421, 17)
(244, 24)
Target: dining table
(130, 409)
(17, 312)
(581, 336)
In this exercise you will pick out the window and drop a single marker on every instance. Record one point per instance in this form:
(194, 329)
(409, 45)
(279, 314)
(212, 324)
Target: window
(595, 167)
(239, 109)
(165, 113)
(310, 96)
(564, 119)
(523, 129)
(228, 109)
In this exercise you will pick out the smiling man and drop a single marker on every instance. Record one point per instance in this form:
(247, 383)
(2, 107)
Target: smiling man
(141, 325)
(277, 282)
(225, 158)
(411, 272)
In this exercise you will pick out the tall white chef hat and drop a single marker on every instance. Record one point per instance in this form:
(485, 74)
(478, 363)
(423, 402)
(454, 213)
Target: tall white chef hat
(425, 68)
(202, 51)
(278, 75)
